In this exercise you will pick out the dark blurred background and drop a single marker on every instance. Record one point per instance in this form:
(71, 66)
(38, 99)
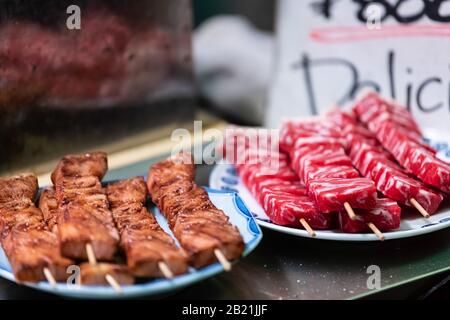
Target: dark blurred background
(259, 12)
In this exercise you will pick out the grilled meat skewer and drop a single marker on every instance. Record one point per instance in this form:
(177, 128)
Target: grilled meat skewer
(29, 245)
(90, 274)
(141, 238)
(83, 215)
(198, 225)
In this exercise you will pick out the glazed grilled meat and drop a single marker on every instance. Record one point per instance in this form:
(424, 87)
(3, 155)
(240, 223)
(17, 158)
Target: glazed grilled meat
(141, 238)
(197, 224)
(49, 207)
(29, 251)
(83, 214)
(17, 189)
(28, 244)
(90, 274)
(76, 166)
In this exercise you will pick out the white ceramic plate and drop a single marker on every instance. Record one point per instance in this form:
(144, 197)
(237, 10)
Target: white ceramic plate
(227, 201)
(224, 177)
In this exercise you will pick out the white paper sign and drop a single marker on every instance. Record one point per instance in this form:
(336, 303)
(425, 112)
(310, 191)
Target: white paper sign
(331, 50)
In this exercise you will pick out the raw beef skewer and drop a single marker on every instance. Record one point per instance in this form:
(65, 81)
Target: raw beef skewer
(377, 164)
(316, 160)
(321, 162)
(262, 176)
(386, 215)
(283, 197)
(395, 132)
(266, 173)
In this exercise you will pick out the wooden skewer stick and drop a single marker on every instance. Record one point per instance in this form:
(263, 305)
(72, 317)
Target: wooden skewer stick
(419, 208)
(90, 254)
(354, 217)
(375, 230)
(113, 283)
(350, 211)
(222, 259)
(109, 278)
(165, 270)
(308, 228)
(50, 278)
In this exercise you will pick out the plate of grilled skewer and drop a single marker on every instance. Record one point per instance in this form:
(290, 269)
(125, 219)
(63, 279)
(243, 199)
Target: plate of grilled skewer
(86, 238)
(364, 175)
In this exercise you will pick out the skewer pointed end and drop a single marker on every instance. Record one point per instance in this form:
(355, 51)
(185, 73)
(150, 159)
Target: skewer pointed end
(308, 228)
(165, 270)
(50, 278)
(377, 231)
(109, 278)
(222, 259)
(114, 284)
(419, 208)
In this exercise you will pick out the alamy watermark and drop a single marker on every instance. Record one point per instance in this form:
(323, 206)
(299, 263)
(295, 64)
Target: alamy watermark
(374, 279)
(75, 275)
(73, 21)
(374, 14)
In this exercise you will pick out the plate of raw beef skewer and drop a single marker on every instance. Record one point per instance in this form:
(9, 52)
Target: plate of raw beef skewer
(364, 175)
(85, 238)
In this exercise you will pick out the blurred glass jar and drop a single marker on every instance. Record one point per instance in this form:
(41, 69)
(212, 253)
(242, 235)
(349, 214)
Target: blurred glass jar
(127, 67)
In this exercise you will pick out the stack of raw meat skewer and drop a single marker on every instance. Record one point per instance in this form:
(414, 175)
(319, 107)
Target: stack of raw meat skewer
(344, 170)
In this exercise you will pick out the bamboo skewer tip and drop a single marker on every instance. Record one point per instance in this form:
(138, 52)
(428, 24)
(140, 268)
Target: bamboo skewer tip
(350, 211)
(222, 259)
(375, 230)
(90, 254)
(109, 278)
(113, 283)
(308, 228)
(419, 208)
(50, 278)
(354, 217)
(165, 270)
